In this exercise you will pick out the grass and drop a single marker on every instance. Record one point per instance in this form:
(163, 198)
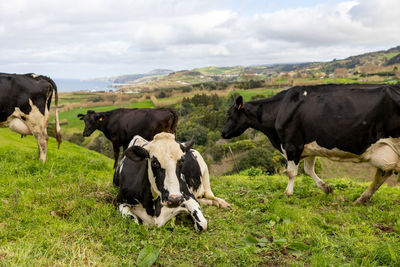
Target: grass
(62, 213)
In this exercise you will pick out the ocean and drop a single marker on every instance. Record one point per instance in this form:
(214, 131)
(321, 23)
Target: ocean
(72, 85)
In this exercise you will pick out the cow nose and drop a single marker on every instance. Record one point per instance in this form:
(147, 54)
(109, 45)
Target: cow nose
(174, 200)
(223, 134)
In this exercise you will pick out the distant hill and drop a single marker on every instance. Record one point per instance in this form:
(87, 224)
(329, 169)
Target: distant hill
(379, 63)
(131, 78)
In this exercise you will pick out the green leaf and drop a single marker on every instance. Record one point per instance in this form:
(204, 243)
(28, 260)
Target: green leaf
(298, 246)
(263, 240)
(392, 253)
(250, 239)
(280, 241)
(147, 256)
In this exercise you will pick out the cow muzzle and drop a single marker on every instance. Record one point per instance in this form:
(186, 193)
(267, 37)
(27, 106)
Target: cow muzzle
(174, 200)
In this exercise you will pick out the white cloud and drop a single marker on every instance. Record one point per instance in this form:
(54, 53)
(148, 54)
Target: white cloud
(106, 37)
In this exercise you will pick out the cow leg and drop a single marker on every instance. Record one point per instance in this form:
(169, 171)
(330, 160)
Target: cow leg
(167, 214)
(116, 154)
(209, 198)
(37, 124)
(309, 169)
(42, 140)
(380, 178)
(292, 170)
(126, 212)
(193, 207)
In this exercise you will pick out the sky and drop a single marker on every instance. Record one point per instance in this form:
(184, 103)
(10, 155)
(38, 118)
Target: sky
(100, 38)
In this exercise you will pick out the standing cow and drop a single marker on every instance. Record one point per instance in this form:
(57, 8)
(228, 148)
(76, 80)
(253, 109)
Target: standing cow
(121, 125)
(160, 179)
(24, 106)
(357, 123)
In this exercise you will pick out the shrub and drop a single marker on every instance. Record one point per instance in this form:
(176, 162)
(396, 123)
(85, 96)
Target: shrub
(76, 138)
(262, 158)
(252, 171)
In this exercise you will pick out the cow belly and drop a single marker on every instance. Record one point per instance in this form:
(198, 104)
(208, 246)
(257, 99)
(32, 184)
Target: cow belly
(313, 149)
(19, 126)
(384, 154)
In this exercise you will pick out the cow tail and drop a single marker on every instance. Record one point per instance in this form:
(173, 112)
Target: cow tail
(174, 124)
(58, 128)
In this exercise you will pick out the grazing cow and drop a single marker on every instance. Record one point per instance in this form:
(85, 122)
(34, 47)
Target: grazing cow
(160, 179)
(24, 106)
(358, 123)
(121, 125)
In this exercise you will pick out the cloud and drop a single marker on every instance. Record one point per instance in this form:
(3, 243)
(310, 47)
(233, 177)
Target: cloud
(107, 37)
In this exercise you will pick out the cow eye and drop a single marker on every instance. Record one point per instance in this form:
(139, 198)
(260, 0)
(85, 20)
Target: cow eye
(155, 163)
(180, 163)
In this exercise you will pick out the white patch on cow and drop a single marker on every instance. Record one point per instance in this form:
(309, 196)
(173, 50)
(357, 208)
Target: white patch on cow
(313, 149)
(384, 154)
(19, 126)
(305, 93)
(292, 169)
(168, 152)
(121, 165)
(195, 212)
(137, 140)
(34, 75)
(168, 213)
(284, 154)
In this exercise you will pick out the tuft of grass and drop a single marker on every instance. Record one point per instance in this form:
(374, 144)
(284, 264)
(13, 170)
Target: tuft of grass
(63, 213)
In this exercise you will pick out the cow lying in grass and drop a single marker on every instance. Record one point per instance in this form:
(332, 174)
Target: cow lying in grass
(160, 179)
(356, 122)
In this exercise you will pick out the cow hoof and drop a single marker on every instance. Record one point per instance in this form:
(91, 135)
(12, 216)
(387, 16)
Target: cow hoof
(288, 193)
(361, 200)
(327, 188)
(222, 204)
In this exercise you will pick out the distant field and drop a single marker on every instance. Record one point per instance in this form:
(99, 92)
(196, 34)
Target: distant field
(248, 94)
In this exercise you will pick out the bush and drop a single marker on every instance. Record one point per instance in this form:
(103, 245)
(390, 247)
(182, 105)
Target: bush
(252, 172)
(260, 158)
(76, 138)
(188, 131)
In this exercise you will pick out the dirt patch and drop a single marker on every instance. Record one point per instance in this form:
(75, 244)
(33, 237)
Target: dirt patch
(225, 165)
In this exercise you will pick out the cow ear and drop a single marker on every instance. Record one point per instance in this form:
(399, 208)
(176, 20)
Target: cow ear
(187, 145)
(81, 116)
(239, 102)
(136, 153)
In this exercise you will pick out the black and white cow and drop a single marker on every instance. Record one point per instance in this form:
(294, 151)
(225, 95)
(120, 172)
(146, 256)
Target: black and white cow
(160, 179)
(357, 123)
(122, 124)
(24, 106)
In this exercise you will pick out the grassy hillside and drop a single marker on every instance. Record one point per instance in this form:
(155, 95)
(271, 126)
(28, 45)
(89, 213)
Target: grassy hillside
(62, 214)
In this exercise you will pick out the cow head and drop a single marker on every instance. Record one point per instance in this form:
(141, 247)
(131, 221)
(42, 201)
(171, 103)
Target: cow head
(92, 121)
(165, 160)
(236, 123)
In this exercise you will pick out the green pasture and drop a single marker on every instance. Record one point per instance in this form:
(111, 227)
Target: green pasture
(63, 213)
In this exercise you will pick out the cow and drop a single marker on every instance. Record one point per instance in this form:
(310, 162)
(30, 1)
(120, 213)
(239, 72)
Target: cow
(356, 122)
(121, 125)
(24, 107)
(160, 179)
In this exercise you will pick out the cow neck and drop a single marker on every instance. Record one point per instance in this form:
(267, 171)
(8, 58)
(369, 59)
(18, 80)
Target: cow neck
(104, 126)
(259, 116)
